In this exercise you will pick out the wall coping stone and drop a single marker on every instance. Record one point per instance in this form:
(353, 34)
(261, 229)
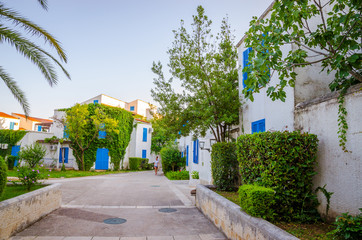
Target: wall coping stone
(234, 212)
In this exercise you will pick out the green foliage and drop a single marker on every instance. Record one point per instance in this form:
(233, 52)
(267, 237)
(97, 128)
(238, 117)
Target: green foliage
(63, 168)
(32, 154)
(347, 227)
(54, 140)
(10, 22)
(327, 195)
(136, 163)
(30, 176)
(195, 175)
(334, 44)
(283, 161)
(162, 135)
(224, 166)
(178, 175)
(11, 161)
(3, 175)
(83, 123)
(144, 165)
(171, 159)
(10, 137)
(257, 201)
(206, 68)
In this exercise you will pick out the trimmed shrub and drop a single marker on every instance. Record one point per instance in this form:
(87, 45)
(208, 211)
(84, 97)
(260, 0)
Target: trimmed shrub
(257, 201)
(171, 159)
(195, 175)
(179, 175)
(225, 166)
(32, 154)
(11, 161)
(3, 174)
(283, 161)
(348, 227)
(135, 163)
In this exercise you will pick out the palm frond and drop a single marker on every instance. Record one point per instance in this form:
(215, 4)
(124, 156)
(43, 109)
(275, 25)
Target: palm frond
(32, 28)
(15, 90)
(30, 51)
(44, 4)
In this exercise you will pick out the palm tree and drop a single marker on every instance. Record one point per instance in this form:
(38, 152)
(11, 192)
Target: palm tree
(42, 59)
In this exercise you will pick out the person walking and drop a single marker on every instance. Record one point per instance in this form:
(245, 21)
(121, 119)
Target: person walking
(156, 164)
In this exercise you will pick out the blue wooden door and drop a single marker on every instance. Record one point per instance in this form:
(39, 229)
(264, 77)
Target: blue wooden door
(15, 152)
(102, 159)
(63, 153)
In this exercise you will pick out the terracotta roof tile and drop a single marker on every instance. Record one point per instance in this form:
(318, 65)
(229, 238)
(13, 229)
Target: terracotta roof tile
(4, 115)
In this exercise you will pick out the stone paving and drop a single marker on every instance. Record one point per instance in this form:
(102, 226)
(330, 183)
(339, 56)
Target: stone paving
(137, 198)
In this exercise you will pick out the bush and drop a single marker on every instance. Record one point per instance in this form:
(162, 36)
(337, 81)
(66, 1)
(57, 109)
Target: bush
(144, 164)
(171, 159)
(179, 175)
(135, 163)
(225, 166)
(283, 161)
(257, 201)
(195, 175)
(11, 161)
(348, 227)
(3, 174)
(31, 176)
(32, 154)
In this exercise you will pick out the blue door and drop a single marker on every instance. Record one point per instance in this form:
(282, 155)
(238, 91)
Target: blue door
(102, 159)
(63, 153)
(15, 152)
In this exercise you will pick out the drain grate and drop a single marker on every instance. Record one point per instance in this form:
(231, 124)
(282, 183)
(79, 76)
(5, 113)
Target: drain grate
(167, 210)
(155, 186)
(115, 221)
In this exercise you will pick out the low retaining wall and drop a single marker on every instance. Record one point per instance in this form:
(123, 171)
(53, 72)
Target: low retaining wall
(236, 224)
(19, 212)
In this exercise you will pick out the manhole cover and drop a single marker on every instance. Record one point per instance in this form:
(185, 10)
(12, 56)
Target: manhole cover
(155, 185)
(167, 210)
(115, 221)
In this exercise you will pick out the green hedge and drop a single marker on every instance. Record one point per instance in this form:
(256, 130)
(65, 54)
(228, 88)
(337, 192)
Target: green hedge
(138, 163)
(171, 159)
(10, 137)
(3, 174)
(179, 175)
(257, 201)
(225, 166)
(283, 161)
(11, 161)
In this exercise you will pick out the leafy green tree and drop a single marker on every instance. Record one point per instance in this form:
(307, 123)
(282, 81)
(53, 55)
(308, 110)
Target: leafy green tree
(32, 154)
(161, 135)
(41, 58)
(206, 67)
(83, 128)
(334, 43)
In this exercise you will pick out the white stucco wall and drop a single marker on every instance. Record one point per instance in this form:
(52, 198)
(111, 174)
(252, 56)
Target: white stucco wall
(340, 170)
(5, 123)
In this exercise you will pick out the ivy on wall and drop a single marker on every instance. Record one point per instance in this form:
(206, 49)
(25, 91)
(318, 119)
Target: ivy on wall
(10, 137)
(116, 141)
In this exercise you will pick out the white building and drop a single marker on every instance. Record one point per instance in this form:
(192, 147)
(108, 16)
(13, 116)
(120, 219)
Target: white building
(9, 122)
(311, 107)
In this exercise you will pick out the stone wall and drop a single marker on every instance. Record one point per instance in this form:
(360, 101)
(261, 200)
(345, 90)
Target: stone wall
(233, 222)
(19, 212)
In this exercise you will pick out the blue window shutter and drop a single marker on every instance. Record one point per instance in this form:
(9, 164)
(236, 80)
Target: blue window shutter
(66, 154)
(182, 154)
(197, 151)
(194, 153)
(95, 102)
(39, 128)
(258, 126)
(144, 138)
(131, 108)
(245, 63)
(144, 153)
(65, 134)
(187, 155)
(102, 134)
(60, 155)
(12, 124)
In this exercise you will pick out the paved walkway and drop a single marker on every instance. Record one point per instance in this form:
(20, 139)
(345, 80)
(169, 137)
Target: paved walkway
(136, 197)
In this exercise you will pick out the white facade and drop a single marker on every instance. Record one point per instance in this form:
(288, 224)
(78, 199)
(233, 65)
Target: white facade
(107, 100)
(9, 122)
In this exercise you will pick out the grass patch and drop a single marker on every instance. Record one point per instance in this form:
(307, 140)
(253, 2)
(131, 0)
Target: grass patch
(12, 191)
(71, 173)
(179, 175)
(304, 231)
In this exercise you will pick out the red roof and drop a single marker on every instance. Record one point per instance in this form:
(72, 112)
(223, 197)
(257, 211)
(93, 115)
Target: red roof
(4, 115)
(141, 120)
(34, 118)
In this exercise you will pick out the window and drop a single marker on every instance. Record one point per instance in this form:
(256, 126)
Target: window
(39, 128)
(63, 155)
(131, 108)
(144, 153)
(12, 124)
(144, 138)
(95, 101)
(196, 152)
(65, 134)
(258, 126)
(182, 154)
(102, 134)
(187, 155)
(245, 64)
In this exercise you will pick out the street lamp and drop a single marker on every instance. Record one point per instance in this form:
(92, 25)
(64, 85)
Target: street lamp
(202, 145)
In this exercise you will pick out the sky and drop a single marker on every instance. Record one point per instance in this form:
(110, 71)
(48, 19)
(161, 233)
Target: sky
(110, 45)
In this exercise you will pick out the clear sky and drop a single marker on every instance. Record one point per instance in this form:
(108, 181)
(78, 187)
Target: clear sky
(110, 45)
